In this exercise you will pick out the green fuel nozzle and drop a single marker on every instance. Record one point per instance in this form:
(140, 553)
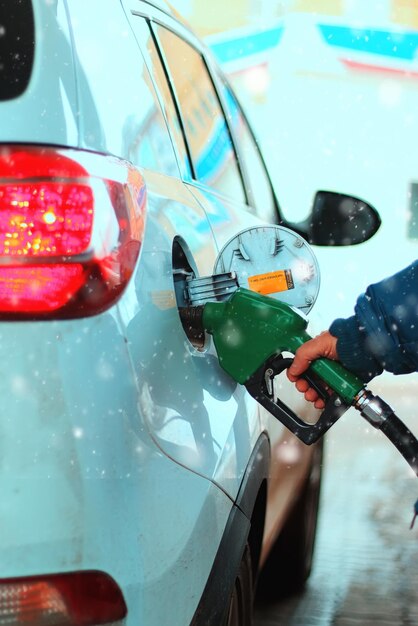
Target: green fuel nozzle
(251, 331)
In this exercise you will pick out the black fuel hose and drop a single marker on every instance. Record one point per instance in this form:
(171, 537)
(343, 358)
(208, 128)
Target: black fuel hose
(402, 438)
(405, 442)
(381, 416)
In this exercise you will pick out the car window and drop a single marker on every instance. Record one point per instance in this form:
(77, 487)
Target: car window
(149, 48)
(121, 109)
(261, 192)
(210, 146)
(17, 47)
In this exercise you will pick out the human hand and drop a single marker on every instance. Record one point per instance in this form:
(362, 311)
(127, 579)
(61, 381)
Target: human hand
(324, 345)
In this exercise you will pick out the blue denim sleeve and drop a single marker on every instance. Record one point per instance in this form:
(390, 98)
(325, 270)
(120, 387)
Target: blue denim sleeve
(383, 333)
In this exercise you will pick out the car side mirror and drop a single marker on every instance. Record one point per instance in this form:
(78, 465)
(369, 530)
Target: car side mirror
(340, 220)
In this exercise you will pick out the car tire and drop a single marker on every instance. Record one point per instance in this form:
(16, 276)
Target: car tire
(290, 561)
(240, 608)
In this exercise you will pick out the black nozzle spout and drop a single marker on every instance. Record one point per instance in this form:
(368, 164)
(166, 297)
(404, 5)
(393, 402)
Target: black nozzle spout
(192, 320)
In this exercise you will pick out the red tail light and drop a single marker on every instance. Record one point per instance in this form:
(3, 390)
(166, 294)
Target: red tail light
(76, 599)
(71, 225)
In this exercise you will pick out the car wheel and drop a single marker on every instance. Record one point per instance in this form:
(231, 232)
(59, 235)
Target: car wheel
(289, 563)
(241, 602)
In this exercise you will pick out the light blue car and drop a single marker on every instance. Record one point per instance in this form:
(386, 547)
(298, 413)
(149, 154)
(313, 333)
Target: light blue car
(139, 484)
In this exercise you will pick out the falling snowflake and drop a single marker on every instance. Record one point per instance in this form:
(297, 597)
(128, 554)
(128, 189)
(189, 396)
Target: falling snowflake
(78, 432)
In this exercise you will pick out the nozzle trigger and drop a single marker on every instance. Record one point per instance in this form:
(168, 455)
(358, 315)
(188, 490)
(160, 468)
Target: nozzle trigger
(260, 386)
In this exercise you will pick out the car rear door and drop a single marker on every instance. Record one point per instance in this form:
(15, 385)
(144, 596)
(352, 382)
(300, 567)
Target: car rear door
(197, 415)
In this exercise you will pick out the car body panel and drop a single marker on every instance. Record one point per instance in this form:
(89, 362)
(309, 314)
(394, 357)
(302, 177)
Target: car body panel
(79, 467)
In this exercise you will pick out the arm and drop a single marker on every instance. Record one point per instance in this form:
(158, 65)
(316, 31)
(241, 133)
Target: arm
(382, 334)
